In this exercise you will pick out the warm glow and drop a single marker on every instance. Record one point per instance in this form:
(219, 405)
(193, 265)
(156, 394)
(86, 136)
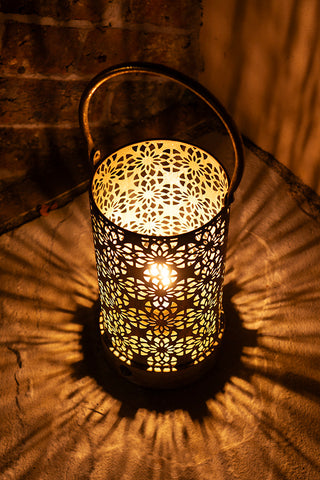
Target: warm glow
(160, 213)
(160, 275)
(160, 187)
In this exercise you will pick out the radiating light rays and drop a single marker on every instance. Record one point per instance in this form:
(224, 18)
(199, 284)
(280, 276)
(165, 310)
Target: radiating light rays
(269, 416)
(153, 445)
(42, 284)
(68, 414)
(34, 262)
(284, 250)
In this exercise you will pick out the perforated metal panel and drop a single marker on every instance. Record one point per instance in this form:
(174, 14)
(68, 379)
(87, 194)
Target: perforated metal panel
(160, 232)
(160, 187)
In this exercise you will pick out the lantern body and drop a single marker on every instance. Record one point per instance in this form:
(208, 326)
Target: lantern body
(160, 211)
(160, 230)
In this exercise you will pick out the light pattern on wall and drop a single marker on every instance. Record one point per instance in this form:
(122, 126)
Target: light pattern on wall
(160, 187)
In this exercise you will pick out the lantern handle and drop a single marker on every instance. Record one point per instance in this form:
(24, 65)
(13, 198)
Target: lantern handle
(190, 84)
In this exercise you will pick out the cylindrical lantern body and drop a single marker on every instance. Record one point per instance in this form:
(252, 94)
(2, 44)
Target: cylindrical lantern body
(160, 231)
(160, 211)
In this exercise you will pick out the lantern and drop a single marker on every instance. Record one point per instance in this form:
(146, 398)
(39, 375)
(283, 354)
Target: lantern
(160, 212)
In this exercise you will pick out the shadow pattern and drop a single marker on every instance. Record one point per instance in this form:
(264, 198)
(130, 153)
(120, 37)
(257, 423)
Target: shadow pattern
(66, 414)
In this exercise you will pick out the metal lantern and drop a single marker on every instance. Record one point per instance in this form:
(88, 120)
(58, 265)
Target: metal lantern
(160, 211)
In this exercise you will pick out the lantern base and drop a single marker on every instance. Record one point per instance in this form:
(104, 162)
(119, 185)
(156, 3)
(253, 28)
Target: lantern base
(162, 380)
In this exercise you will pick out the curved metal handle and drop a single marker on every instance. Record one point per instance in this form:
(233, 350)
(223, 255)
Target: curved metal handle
(188, 83)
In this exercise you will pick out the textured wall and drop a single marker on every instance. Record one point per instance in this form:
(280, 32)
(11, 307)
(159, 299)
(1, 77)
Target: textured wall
(49, 51)
(261, 59)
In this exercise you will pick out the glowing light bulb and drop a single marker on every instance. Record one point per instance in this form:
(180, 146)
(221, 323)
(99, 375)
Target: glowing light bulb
(160, 275)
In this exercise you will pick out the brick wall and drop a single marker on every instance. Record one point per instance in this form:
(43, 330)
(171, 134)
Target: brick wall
(49, 51)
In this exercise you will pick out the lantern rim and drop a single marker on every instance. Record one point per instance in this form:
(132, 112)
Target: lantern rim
(224, 206)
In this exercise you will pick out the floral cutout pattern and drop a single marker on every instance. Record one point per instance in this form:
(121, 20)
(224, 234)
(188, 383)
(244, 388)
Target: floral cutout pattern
(160, 187)
(161, 297)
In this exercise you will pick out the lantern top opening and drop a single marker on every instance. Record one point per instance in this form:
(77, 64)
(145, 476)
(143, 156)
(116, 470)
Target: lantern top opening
(160, 187)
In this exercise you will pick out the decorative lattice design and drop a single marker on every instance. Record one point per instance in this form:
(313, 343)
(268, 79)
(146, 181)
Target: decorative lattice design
(160, 187)
(161, 297)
